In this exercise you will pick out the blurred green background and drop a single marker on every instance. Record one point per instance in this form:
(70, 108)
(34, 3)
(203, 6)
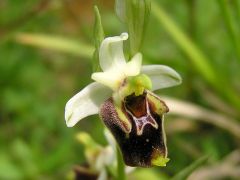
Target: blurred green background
(45, 58)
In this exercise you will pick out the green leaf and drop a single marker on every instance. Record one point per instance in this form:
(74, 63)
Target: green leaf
(120, 9)
(135, 13)
(56, 43)
(98, 35)
(182, 175)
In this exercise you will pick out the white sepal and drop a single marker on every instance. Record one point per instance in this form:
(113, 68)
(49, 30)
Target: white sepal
(133, 67)
(111, 79)
(111, 52)
(161, 76)
(86, 103)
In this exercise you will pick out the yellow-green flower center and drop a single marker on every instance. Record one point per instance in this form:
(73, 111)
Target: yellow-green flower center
(132, 85)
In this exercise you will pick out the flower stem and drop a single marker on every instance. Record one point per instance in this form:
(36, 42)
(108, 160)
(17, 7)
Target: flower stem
(120, 166)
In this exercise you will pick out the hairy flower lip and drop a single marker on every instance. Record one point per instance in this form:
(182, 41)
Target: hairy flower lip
(143, 149)
(114, 116)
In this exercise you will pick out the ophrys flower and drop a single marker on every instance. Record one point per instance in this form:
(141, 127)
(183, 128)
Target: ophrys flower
(123, 98)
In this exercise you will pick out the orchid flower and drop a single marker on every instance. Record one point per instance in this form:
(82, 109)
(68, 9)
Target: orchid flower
(123, 98)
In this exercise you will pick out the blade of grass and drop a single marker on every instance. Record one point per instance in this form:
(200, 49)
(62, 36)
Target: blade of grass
(230, 26)
(182, 175)
(238, 11)
(198, 113)
(56, 43)
(225, 168)
(198, 59)
(98, 35)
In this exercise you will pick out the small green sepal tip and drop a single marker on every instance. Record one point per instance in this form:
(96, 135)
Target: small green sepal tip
(133, 85)
(139, 83)
(160, 161)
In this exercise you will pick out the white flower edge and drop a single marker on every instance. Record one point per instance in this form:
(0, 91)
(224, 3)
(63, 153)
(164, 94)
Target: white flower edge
(161, 76)
(86, 103)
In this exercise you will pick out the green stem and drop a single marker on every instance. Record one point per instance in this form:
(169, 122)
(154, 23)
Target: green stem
(120, 166)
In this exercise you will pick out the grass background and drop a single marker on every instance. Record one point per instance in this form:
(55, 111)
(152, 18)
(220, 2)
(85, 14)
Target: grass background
(198, 38)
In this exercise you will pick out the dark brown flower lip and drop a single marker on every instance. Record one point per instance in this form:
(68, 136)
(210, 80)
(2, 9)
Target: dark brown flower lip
(109, 112)
(136, 105)
(140, 114)
(139, 147)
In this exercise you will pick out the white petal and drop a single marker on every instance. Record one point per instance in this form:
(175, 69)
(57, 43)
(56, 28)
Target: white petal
(161, 76)
(111, 79)
(111, 52)
(133, 67)
(85, 103)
